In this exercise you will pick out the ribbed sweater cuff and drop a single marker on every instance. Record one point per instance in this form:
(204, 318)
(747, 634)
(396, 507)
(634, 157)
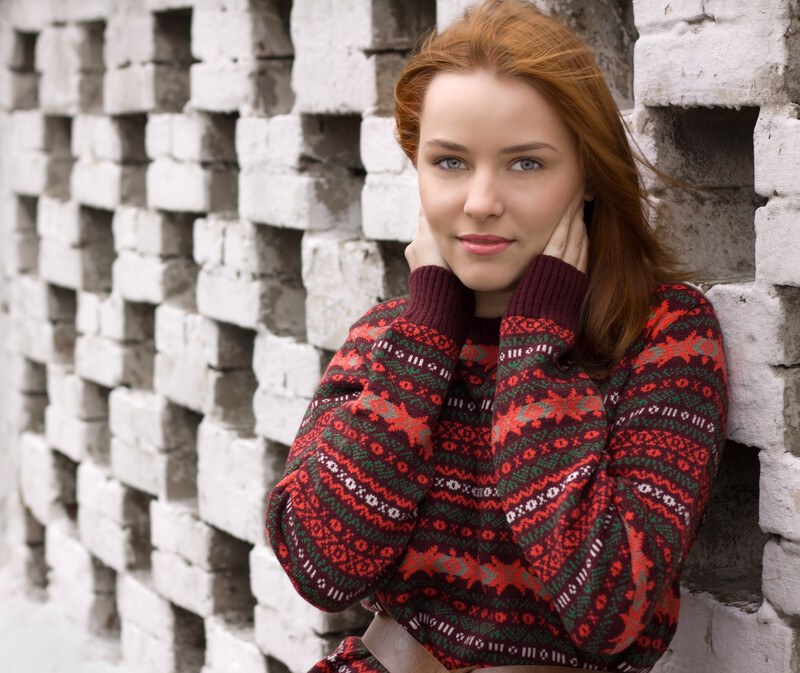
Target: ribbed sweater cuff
(441, 301)
(550, 288)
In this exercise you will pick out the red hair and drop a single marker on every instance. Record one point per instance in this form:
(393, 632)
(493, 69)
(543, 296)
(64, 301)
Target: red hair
(513, 39)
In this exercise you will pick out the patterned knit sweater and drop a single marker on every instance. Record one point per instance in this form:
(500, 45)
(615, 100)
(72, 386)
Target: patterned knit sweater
(499, 503)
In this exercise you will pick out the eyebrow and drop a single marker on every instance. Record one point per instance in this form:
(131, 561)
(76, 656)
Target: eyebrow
(514, 149)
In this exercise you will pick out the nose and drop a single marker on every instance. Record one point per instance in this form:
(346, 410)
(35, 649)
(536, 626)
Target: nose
(483, 197)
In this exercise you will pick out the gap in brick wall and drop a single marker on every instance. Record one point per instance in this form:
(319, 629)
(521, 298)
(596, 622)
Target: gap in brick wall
(709, 221)
(95, 224)
(132, 136)
(24, 52)
(105, 617)
(397, 25)
(92, 66)
(726, 558)
(26, 240)
(35, 563)
(607, 26)
(173, 37)
(66, 472)
(395, 268)
(275, 666)
(173, 50)
(190, 641)
(332, 140)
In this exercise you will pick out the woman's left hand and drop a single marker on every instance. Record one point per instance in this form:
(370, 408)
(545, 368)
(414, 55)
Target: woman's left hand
(569, 241)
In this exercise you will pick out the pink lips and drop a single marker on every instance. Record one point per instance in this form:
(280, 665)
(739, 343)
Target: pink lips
(483, 244)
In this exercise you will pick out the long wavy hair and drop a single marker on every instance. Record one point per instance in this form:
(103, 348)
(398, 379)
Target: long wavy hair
(511, 38)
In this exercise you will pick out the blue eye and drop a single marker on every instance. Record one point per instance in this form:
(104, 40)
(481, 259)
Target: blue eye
(449, 163)
(527, 164)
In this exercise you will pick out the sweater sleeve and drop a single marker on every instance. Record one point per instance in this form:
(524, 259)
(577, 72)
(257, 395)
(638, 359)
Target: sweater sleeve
(605, 511)
(361, 462)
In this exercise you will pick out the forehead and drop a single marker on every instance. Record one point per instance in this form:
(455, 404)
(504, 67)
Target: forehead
(482, 106)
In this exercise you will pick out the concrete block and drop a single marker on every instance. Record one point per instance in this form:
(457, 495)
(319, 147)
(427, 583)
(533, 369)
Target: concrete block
(230, 647)
(711, 63)
(85, 268)
(713, 636)
(182, 381)
(75, 437)
(25, 376)
(223, 395)
(154, 280)
(252, 86)
(760, 323)
(107, 184)
(356, 81)
(274, 590)
(61, 221)
(219, 345)
(143, 416)
(253, 141)
(196, 136)
(448, 11)
(209, 237)
(83, 587)
(249, 302)
(177, 529)
(185, 186)
(20, 252)
(144, 467)
(155, 233)
(779, 501)
(285, 365)
(653, 17)
(235, 474)
(776, 150)
(391, 205)
(29, 130)
(300, 201)
(139, 603)
(277, 416)
(74, 395)
(19, 90)
(37, 299)
(380, 151)
(111, 363)
(147, 87)
(287, 627)
(337, 298)
(192, 588)
(113, 317)
(38, 173)
(43, 480)
(781, 577)
(236, 31)
(43, 341)
(130, 39)
(101, 137)
(23, 412)
(778, 242)
(112, 519)
(148, 626)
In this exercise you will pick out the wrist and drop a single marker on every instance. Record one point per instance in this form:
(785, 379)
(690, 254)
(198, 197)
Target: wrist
(438, 299)
(550, 288)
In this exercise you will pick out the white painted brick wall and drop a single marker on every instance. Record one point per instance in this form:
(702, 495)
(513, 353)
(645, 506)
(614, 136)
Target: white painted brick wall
(199, 197)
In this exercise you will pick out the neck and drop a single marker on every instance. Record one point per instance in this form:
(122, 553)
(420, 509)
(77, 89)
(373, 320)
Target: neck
(492, 304)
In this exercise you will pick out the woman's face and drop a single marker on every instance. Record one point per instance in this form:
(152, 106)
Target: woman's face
(497, 168)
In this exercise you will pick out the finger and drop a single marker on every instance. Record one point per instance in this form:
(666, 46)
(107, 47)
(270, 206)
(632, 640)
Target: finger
(557, 243)
(576, 238)
(583, 257)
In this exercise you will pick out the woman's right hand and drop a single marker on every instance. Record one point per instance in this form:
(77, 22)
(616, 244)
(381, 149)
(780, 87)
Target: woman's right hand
(423, 250)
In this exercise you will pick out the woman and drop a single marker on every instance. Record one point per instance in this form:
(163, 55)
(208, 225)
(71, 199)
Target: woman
(510, 465)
